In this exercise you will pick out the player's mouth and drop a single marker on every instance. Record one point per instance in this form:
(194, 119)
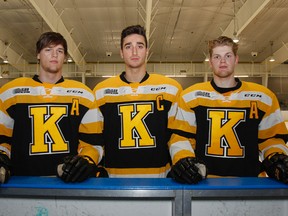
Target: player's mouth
(135, 58)
(223, 67)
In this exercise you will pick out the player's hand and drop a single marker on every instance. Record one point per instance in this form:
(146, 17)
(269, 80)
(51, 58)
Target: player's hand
(79, 168)
(5, 165)
(188, 170)
(276, 166)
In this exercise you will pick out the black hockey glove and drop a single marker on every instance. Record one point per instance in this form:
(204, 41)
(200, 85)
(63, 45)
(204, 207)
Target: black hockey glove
(5, 167)
(79, 168)
(276, 167)
(188, 170)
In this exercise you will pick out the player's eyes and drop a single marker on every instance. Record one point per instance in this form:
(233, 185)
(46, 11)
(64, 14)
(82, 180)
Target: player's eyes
(60, 51)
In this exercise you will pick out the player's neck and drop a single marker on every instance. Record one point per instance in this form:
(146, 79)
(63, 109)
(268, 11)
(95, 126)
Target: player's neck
(135, 74)
(225, 82)
(52, 78)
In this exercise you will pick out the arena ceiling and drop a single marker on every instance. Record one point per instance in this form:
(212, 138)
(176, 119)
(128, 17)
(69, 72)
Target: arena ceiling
(178, 30)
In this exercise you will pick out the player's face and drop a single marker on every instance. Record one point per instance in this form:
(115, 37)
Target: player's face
(134, 51)
(52, 58)
(223, 61)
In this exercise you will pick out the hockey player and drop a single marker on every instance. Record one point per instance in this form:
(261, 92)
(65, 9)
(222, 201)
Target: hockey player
(133, 112)
(233, 127)
(47, 120)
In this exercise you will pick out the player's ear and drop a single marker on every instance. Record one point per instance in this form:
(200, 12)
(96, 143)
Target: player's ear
(210, 62)
(236, 59)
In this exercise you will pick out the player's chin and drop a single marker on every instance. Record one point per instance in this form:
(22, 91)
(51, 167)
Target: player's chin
(223, 73)
(53, 69)
(136, 64)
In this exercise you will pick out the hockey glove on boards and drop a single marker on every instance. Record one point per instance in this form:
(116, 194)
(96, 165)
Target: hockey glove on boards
(276, 166)
(188, 170)
(5, 166)
(79, 168)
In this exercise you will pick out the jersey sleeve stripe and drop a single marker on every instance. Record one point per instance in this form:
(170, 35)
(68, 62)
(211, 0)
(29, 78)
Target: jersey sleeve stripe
(185, 116)
(6, 120)
(6, 150)
(173, 110)
(271, 120)
(92, 115)
(270, 148)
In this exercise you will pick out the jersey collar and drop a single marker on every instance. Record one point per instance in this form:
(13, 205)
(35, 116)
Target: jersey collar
(122, 77)
(36, 78)
(224, 90)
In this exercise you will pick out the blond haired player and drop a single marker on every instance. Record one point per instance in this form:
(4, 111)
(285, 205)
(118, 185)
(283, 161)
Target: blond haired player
(227, 124)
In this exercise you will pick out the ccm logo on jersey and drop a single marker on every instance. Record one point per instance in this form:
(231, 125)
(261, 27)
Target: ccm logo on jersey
(158, 88)
(253, 95)
(75, 91)
(21, 90)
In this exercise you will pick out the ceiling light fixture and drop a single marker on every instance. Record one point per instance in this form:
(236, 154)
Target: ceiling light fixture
(69, 59)
(5, 60)
(235, 38)
(272, 59)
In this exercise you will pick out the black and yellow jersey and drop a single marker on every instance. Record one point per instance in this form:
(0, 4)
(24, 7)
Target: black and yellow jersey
(41, 123)
(133, 119)
(232, 130)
